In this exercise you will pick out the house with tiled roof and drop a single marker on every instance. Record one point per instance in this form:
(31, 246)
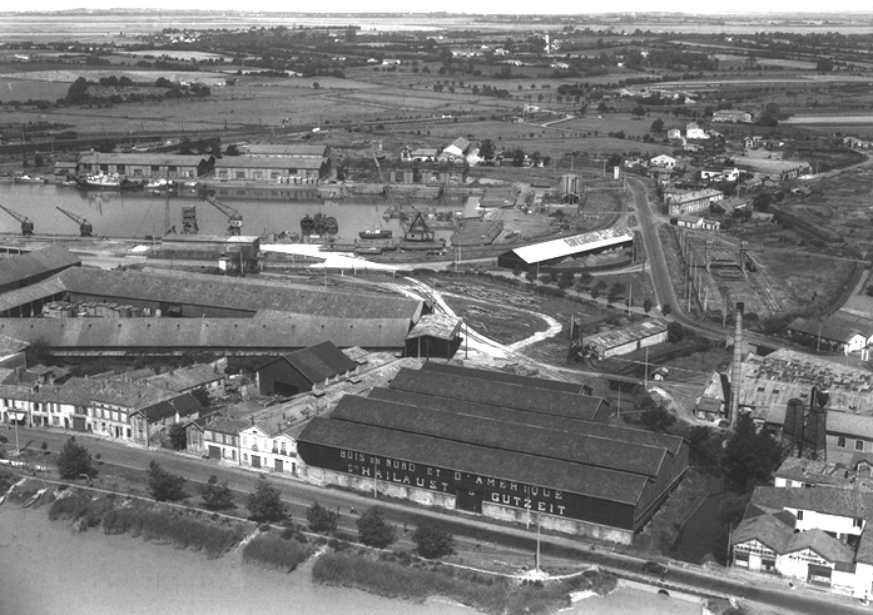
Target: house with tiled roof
(816, 536)
(191, 378)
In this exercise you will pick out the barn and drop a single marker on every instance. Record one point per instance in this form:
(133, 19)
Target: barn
(303, 370)
(485, 446)
(576, 246)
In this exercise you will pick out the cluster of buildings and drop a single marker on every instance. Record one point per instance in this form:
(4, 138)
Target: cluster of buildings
(295, 163)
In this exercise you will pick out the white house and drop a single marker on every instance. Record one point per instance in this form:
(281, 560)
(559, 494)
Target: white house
(693, 131)
(815, 536)
(221, 439)
(664, 161)
(270, 444)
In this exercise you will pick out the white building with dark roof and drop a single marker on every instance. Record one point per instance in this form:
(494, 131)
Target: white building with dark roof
(627, 339)
(556, 250)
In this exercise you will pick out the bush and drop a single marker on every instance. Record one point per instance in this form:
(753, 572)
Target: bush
(80, 507)
(272, 552)
(182, 531)
(217, 496)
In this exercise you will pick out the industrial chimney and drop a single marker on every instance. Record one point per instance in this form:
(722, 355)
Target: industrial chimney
(737, 371)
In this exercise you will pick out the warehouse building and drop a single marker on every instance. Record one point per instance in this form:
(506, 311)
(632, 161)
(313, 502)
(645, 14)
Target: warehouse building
(627, 339)
(26, 269)
(489, 449)
(576, 246)
(288, 169)
(147, 166)
(304, 370)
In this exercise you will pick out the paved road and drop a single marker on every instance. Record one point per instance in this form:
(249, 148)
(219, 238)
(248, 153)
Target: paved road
(470, 531)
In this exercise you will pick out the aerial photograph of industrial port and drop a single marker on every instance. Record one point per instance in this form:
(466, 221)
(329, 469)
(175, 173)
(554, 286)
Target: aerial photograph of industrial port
(495, 309)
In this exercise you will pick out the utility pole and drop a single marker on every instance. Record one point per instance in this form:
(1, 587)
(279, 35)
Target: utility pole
(646, 380)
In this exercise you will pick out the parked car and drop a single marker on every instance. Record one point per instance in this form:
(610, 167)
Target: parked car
(655, 568)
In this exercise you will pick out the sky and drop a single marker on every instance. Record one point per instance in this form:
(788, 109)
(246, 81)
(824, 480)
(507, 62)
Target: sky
(465, 6)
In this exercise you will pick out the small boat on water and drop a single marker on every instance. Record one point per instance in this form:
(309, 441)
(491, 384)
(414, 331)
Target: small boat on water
(307, 224)
(377, 233)
(160, 183)
(26, 178)
(109, 181)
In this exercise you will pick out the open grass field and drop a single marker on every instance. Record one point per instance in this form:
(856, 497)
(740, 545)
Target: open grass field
(26, 89)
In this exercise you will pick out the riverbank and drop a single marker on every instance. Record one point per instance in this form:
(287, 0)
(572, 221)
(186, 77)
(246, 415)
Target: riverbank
(48, 568)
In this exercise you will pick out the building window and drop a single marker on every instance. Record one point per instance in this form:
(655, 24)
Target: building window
(859, 445)
(245, 456)
(800, 515)
(858, 523)
(240, 174)
(841, 442)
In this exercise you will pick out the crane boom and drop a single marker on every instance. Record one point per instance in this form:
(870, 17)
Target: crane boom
(26, 224)
(85, 228)
(234, 218)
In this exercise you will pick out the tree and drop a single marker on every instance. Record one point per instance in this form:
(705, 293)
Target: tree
(265, 503)
(647, 305)
(675, 332)
(615, 291)
(486, 150)
(750, 457)
(432, 541)
(770, 115)
(638, 111)
(585, 279)
(321, 519)
(38, 353)
(165, 487)
(657, 418)
(78, 92)
(598, 289)
(217, 496)
(824, 65)
(373, 530)
(202, 397)
(232, 150)
(658, 125)
(603, 108)
(178, 436)
(75, 461)
(666, 309)
(762, 201)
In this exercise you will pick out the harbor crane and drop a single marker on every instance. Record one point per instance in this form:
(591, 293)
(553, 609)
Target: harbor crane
(85, 228)
(234, 218)
(26, 224)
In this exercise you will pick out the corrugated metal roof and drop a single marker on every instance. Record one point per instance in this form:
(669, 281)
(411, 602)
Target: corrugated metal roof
(492, 393)
(177, 160)
(575, 244)
(672, 444)
(579, 448)
(270, 336)
(478, 460)
(217, 291)
(269, 162)
(18, 270)
(628, 334)
(501, 376)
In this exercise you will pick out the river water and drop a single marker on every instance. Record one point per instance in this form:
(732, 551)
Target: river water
(140, 213)
(46, 569)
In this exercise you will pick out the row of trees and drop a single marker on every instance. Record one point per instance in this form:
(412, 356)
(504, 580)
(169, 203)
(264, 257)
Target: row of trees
(264, 504)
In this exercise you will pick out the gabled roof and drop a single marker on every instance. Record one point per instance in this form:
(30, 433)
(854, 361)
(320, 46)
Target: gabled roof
(838, 327)
(133, 395)
(498, 394)
(566, 246)
(441, 326)
(10, 346)
(319, 362)
(825, 500)
(227, 425)
(269, 162)
(186, 378)
(178, 160)
(766, 529)
(497, 434)
(501, 376)
(476, 460)
(19, 270)
(286, 149)
(183, 405)
(827, 547)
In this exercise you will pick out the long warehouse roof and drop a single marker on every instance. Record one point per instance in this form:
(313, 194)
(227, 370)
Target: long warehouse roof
(565, 246)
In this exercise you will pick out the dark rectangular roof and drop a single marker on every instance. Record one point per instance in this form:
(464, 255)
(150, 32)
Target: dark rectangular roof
(495, 434)
(506, 465)
(535, 419)
(17, 270)
(826, 500)
(176, 160)
(185, 405)
(271, 336)
(217, 291)
(319, 362)
(496, 376)
(493, 393)
(269, 162)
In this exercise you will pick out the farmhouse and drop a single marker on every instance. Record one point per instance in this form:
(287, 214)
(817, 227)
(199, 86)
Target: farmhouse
(489, 458)
(733, 116)
(556, 250)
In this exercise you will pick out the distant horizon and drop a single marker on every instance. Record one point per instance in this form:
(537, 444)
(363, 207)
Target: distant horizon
(777, 8)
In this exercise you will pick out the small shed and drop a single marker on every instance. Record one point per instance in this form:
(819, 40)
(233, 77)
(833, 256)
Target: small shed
(434, 335)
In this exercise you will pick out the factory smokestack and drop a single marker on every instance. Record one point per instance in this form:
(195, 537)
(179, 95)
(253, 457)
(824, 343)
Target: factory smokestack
(737, 371)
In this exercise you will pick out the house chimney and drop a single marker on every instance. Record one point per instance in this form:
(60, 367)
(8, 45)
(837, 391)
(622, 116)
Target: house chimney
(737, 370)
